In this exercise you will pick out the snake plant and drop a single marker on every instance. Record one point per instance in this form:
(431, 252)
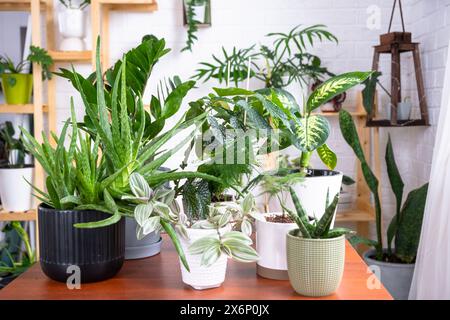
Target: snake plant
(404, 228)
(317, 229)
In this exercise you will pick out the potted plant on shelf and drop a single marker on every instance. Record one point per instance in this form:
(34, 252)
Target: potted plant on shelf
(84, 202)
(18, 85)
(315, 252)
(14, 260)
(71, 22)
(15, 175)
(396, 264)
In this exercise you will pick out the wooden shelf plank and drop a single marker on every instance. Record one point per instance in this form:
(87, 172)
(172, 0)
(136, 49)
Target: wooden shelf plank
(18, 5)
(336, 114)
(354, 215)
(19, 108)
(71, 56)
(131, 5)
(29, 215)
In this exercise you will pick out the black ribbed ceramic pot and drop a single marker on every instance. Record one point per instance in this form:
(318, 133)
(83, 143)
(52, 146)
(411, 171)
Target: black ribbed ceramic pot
(99, 252)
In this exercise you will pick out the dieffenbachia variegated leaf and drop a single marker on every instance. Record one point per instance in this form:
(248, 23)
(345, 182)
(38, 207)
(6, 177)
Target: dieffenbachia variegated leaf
(333, 87)
(327, 156)
(311, 132)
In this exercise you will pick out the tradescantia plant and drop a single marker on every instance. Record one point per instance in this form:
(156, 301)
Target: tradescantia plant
(405, 227)
(317, 229)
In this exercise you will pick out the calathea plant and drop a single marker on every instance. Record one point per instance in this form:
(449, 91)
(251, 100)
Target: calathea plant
(404, 228)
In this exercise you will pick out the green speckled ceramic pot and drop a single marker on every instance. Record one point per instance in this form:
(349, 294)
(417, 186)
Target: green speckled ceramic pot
(315, 266)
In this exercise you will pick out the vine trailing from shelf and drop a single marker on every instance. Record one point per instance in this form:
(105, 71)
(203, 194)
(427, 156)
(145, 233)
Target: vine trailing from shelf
(192, 25)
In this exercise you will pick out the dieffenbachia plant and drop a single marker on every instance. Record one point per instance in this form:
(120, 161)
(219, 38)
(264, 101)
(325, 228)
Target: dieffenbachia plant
(316, 229)
(406, 225)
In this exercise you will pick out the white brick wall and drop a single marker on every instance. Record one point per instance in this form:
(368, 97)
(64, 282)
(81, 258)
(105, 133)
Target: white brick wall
(244, 22)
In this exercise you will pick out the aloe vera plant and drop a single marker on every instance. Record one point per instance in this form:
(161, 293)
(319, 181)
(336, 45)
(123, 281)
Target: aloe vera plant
(404, 228)
(317, 229)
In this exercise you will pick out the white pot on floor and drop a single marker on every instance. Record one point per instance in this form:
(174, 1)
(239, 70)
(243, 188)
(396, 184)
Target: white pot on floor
(201, 277)
(15, 192)
(72, 29)
(271, 247)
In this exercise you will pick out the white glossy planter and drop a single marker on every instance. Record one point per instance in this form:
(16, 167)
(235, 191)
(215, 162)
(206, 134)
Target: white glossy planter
(201, 277)
(271, 247)
(312, 192)
(15, 192)
(72, 29)
(199, 13)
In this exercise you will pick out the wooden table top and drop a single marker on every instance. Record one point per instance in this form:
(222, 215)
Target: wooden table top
(159, 277)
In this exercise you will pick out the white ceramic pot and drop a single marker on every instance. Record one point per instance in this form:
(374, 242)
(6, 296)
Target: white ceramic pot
(199, 13)
(201, 277)
(15, 192)
(271, 247)
(312, 192)
(72, 28)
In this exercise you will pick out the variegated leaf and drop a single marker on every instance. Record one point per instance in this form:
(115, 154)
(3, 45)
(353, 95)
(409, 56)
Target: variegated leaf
(311, 132)
(327, 156)
(139, 186)
(142, 212)
(333, 87)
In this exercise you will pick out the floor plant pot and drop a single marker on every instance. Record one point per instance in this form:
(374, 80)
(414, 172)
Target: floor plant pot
(396, 277)
(17, 87)
(138, 249)
(314, 189)
(315, 266)
(201, 277)
(99, 252)
(15, 192)
(271, 247)
(72, 28)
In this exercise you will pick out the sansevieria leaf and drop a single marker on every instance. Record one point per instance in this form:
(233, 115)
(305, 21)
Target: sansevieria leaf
(327, 156)
(311, 132)
(333, 87)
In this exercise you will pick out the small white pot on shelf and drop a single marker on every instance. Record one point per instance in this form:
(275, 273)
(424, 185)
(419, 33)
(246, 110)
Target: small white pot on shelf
(201, 277)
(15, 192)
(72, 28)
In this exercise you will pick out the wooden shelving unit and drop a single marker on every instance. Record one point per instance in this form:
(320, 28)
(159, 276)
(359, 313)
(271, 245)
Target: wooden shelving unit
(71, 56)
(20, 108)
(29, 215)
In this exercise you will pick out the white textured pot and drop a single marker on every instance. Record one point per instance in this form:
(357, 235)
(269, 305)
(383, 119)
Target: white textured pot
(72, 28)
(15, 192)
(271, 247)
(315, 266)
(199, 13)
(201, 277)
(396, 277)
(312, 192)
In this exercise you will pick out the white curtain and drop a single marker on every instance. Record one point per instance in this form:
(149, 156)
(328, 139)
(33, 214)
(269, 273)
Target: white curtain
(432, 273)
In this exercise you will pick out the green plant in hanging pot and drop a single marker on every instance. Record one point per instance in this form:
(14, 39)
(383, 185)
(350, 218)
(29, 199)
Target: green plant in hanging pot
(15, 192)
(315, 251)
(17, 83)
(396, 263)
(195, 14)
(89, 180)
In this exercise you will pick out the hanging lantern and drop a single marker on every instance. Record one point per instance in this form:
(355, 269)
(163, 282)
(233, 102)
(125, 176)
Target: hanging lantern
(395, 44)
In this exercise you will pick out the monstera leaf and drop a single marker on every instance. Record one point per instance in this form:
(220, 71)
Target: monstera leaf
(333, 87)
(311, 132)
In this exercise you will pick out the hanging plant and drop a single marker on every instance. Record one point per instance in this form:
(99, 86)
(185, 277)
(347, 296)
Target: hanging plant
(192, 21)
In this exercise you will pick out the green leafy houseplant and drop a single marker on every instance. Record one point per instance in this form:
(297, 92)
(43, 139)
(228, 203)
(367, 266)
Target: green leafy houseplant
(14, 148)
(192, 22)
(14, 262)
(404, 229)
(286, 62)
